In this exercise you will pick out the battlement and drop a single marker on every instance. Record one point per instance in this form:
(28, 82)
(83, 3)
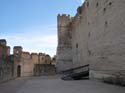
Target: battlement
(40, 54)
(17, 50)
(32, 54)
(3, 42)
(26, 55)
(63, 19)
(79, 10)
(8, 47)
(24, 52)
(64, 16)
(17, 47)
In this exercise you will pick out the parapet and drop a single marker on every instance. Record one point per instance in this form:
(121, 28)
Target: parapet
(17, 47)
(26, 55)
(47, 55)
(8, 47)
(32, 54)
(79, 10)
(63, 16)
(24, 52)
(3, 42)
(40, 54)
(17, 50)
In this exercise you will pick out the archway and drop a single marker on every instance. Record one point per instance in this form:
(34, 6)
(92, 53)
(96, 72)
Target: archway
(18, 71)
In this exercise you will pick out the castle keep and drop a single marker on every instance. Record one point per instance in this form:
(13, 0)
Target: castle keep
(95, 36)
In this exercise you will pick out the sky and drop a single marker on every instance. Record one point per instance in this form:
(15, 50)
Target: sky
(32, 24)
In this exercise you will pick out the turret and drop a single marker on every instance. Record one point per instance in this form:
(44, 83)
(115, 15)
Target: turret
(17, 51)
(3, 42)
(3, 49)
(64, 49)
(63, 29)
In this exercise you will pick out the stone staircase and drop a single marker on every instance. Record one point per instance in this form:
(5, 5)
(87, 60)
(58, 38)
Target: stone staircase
(77, 73)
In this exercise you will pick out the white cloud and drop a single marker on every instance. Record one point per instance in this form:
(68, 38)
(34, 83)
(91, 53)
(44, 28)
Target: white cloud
(35, 39)
(80, 1)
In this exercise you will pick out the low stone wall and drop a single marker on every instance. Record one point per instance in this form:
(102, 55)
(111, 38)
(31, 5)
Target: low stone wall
(44, 69)
(6, 71)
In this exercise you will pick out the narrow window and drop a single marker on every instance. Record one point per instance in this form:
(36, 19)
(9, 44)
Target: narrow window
(89, 52)
(77, 45)
(104, 9)
(97, 4)
(106, 23)
(87, 4)
(110, 3)
(89, 34)
(88, 23)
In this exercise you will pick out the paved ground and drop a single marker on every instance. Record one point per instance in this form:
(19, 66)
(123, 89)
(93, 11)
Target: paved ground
(56, 85)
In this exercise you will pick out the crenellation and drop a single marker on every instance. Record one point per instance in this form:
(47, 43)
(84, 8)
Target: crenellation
(26, 55)
(79, 10)
(6, 62)
(64, 41)
(22, 63)
(3, 42)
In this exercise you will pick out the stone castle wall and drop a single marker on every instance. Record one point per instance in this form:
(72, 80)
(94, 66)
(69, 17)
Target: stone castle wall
(22, 63)
(6, 63)
(26, 64)
(27, 61)
(98, 36)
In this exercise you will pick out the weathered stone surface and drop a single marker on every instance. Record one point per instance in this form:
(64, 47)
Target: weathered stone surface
(98, 36)
(27, 61)
(20, 63)
(64, 50)
(6, 62)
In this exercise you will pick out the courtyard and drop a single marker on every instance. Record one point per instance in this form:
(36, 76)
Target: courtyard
(53, 84)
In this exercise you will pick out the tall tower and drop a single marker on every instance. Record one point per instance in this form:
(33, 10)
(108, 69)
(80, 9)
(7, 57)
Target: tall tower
(3, 49)
(17, 52)
(64, 49)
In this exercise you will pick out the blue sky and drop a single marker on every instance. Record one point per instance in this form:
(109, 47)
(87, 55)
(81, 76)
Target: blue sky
(32, 23)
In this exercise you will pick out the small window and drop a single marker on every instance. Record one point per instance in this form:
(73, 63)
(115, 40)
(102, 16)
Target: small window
(89, 52)
(77, 45)
(87, 4)
(106, 23)
(97, 4)
(104, 9)
(110, 3)
(88, 23)
(89, 34)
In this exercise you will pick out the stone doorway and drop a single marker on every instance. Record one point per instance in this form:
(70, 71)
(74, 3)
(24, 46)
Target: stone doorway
(18, 71)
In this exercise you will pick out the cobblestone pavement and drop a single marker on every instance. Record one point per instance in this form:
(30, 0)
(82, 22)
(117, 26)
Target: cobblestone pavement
(54, 84)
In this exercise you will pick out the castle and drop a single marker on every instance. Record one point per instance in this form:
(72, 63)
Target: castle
(26, 64)
(22, 63)
(95, 36)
